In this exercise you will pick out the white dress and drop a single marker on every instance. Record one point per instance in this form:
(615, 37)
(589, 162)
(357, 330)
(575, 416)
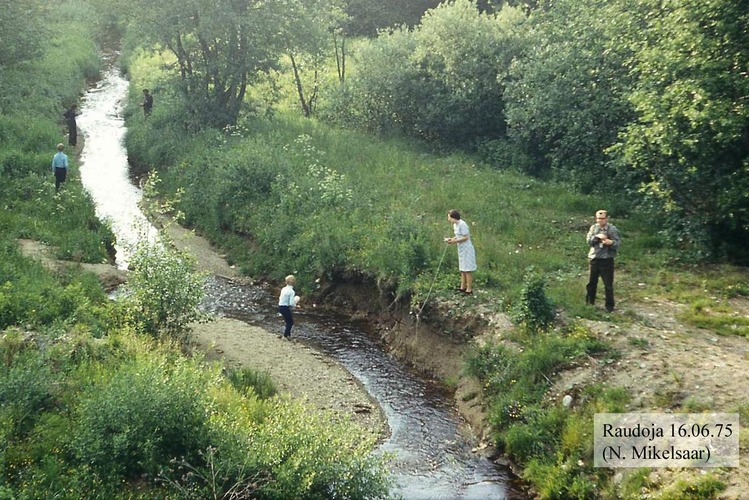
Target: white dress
(466, 252)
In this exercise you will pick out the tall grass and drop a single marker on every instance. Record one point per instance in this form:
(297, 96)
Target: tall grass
(89, 409)
(235, 183)
(285, 194)
(393, 225)
(30, 128)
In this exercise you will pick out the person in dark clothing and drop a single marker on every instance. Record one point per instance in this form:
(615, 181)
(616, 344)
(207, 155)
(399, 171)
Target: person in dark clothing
(603, 242)
(147, 103)
(70, 115)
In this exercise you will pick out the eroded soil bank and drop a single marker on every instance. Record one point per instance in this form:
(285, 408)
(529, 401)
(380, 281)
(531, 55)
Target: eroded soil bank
(296, 369)
(665, 364)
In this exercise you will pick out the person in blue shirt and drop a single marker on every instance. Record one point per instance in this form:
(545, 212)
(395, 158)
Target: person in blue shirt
(286, 302)
(60, 166)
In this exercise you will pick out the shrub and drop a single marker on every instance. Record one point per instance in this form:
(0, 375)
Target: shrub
(247, 379)
(535, 311)
(26, 387)
(163, 292)
(562, 480)
(150, 412)
(439, 81)
(308, 457)
(702, 488)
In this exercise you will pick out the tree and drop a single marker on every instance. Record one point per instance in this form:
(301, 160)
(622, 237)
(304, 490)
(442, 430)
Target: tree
(307, 38)
(21, 36)
(691, 134)
(461, 53)
(438, 82)
(220, 48)
(567, 96)
(367, 18)
(21, 31)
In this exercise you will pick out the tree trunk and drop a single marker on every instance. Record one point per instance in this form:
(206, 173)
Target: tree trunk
(340, 58)
(299, 88)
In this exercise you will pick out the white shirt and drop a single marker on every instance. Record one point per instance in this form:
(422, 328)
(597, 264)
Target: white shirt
(287, 296)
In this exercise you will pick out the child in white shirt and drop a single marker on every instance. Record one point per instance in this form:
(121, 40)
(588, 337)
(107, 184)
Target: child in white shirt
(286, 302)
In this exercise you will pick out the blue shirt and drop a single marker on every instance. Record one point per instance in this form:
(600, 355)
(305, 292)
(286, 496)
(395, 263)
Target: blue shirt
(60, 160)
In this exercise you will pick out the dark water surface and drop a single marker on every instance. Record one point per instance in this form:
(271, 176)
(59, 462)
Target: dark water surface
(433, 458)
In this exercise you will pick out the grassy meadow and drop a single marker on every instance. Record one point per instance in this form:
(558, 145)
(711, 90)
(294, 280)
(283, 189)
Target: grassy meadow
(283, 194)
(331, 202)
(97, 399)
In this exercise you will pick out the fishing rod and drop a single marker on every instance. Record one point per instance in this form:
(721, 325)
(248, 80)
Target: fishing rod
(429, 293)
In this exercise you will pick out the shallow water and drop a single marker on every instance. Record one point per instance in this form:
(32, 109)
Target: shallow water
(104, 167)
(433, 458)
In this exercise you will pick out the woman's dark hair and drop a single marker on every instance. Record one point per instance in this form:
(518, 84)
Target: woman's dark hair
(454, 214)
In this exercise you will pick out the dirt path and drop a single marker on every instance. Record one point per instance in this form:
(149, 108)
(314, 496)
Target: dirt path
(667, 365)
(296, 369)
(664, 364)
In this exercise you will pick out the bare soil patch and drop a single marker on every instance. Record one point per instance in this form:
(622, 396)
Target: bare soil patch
(109, 275)
(670, 366)
(296, 369)
(666, 365)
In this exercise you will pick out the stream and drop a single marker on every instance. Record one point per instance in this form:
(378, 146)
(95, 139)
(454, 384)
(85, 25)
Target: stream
(433, 457)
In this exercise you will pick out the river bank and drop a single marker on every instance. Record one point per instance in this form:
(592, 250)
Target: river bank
(297, 370)
(663, 375)
(671, 366)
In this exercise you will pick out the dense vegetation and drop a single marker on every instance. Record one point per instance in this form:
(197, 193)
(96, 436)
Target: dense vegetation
(644, 100)
(527, 120)
(97, 399)
(526, 116)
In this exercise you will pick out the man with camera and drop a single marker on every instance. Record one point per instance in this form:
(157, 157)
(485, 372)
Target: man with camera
(603, 240)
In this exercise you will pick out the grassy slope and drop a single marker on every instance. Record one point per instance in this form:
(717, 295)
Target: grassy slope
(516, 222)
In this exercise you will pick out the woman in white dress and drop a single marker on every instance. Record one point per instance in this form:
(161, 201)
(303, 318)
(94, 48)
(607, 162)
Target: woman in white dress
(466, 252)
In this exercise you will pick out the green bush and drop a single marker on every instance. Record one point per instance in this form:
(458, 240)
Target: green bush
(27, 386)
(152, 410)
(163, 292)
(702, 488)
(31, 295)
(247, 379)
(439, 81)
(311, 458)
(562, 480)
(535, 311)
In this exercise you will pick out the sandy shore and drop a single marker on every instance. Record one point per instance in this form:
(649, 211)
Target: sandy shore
(296, 369)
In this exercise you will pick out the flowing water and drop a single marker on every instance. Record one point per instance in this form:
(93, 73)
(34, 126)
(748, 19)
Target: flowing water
(433, 458)
(104, 167)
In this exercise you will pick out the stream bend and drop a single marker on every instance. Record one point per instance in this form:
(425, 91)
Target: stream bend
(433, 458)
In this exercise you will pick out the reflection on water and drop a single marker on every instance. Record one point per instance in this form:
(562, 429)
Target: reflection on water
(433, 459)
(104, 167)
